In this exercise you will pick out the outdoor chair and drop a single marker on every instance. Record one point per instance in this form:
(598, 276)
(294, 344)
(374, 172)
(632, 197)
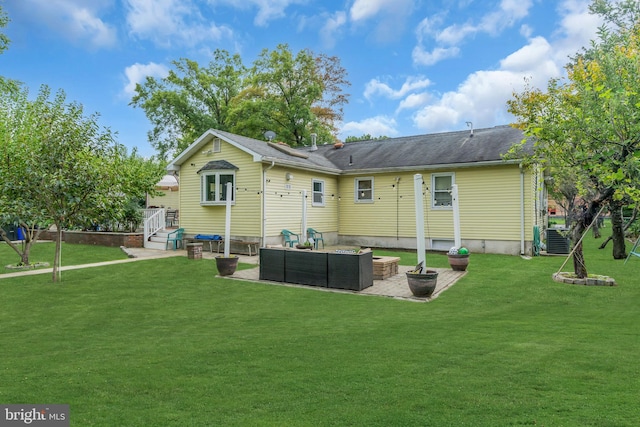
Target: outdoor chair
(290, 238)
(316, 236)
(172, 215)
(175, 238)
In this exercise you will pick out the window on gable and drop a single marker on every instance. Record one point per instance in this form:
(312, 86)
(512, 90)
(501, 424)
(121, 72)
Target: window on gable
(441, 190)
(217, 145)
(364, 190)
(318, 193)
(214, 187)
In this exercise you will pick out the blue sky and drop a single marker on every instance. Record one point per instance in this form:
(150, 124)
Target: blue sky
(416, 66)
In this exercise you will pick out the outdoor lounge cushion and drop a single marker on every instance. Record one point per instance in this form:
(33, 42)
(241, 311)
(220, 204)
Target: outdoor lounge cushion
(208, 237)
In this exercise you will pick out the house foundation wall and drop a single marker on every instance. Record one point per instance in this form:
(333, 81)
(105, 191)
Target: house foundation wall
(474, 246)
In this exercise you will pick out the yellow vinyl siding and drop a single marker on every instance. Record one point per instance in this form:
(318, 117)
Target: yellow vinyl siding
(489, 200)
(245, 214)
(392, 212)
(168, 199)
(284, 201)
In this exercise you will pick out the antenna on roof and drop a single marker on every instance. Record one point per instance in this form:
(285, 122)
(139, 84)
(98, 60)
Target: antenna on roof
(269, 135)
(470, 126)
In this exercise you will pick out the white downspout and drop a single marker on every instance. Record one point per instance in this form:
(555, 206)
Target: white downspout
(264, 202)
(521, 209)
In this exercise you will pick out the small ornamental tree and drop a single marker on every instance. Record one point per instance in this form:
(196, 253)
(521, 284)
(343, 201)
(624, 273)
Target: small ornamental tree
(60, 168)
(590, 123)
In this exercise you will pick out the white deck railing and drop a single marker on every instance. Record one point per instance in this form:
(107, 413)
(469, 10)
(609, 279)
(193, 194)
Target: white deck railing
(154, 220)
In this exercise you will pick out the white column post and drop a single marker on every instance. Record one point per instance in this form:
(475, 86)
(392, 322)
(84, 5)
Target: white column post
(417, 189)
(456, 216)
(227, 221)
(304, 216)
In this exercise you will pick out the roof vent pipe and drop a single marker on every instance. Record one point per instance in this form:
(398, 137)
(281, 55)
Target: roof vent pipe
(470, 126)
(314, 146)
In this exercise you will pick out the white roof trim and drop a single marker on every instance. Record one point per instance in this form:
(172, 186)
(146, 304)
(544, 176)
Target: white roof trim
(203, 140)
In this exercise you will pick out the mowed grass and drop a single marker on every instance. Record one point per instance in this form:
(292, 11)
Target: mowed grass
(71, 254)
(166, 343)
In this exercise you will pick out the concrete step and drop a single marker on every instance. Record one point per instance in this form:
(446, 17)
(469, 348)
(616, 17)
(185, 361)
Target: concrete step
(156, 245)
(158, 239)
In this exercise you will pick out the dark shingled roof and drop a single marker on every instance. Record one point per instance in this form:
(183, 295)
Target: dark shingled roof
(217, 164)
(461, 148)
(486, 145)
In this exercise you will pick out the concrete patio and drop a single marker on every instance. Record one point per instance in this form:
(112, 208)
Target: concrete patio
(392, 287)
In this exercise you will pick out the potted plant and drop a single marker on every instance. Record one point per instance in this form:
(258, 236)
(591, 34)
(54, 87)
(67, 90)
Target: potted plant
(422, 282)
(458, 258)
(227, 264)
(306, 245)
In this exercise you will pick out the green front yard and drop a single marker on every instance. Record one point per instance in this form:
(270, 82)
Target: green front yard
(165, 343)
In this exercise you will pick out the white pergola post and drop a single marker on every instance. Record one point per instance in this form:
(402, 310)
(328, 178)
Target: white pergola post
(417, 189)
(456, 216)
(227, 221)
(304, 217)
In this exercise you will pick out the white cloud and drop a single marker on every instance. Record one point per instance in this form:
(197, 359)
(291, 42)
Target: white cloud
(365, 9)
(374, 126)
(332, 28)
(411, 84)
(390, 16)
(136, 73)
(446, 41)
(482, 97)
(422, 57)
(77, 20)
(169, 22)
(413, 101)
(268, 10)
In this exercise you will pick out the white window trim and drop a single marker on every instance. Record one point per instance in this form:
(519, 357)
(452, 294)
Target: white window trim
(356, 189)
(313, 192)
(433, 189)
(217, 145)
(203, 190)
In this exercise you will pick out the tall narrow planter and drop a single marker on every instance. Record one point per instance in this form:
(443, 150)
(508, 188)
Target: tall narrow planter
(422, 285)
(226, 265)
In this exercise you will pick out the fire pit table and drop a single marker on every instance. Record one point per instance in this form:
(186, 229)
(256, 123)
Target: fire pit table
(384, 267)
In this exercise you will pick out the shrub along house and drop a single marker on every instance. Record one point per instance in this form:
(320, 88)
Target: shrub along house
(363, 193)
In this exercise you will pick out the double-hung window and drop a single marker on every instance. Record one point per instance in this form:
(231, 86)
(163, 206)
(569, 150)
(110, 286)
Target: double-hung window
(318, 193)
(214, 187)
(364, 190)
(441, 185)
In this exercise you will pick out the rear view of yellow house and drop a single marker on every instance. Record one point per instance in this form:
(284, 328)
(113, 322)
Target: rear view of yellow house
(362, 193)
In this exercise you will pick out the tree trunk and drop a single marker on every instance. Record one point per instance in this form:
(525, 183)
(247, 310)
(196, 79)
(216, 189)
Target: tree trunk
(579, 266)
(624, 228)
(596, 230)
(617, 231)
(31, 235)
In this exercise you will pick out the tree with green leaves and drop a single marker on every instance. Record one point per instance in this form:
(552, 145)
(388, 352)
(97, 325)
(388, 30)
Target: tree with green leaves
(4, 21)
(190, 100)
(60, 168)
(292, 95)
(365, 137)
(590, 122)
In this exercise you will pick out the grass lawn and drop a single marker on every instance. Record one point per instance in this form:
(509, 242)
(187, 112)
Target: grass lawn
(165, 343)
(71, 254)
